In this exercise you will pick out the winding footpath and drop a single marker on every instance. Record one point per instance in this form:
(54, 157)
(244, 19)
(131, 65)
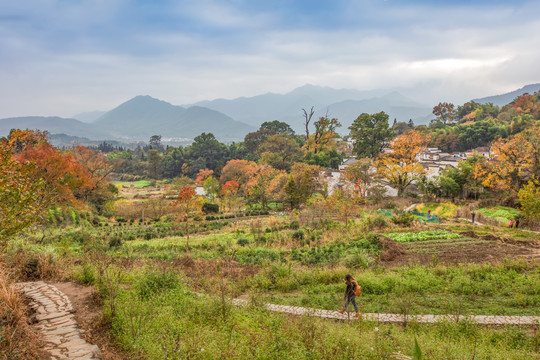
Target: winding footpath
(56, 322)
(63, 337)
(399, 318)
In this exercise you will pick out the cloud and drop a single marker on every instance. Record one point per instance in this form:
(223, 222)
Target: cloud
(61, 58)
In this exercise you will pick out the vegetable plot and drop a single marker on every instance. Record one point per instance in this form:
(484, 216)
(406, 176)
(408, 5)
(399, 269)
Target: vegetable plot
(422, 236)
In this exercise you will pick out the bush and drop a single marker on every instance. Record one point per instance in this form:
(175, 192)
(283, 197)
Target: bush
(115, 241)
(357, 258)
(298, 235)
(242, 242)
(379, 221)
(294, 225)
(210, 208)
(404, 219)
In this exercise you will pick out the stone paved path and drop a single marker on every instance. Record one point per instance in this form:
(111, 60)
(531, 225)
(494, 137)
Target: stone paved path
(61, 334)
(397, 318)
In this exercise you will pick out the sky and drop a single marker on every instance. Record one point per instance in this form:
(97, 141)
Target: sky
(63, 57)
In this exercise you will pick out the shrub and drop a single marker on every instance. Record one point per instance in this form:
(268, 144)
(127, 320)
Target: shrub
(294, 225)
(404, 219)
(115, 241)
(357, 258)
(298, 235)
(153, 282)
(242, 242)
(210, 208)
(379, 221)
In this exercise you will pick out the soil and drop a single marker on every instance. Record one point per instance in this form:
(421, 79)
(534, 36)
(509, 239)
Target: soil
(197, 269)
(88, 315)
(390, 249)
(478, 249)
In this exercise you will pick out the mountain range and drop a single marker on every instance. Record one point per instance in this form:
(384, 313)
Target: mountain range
(501, 100)
(343, 104)
(230, 120)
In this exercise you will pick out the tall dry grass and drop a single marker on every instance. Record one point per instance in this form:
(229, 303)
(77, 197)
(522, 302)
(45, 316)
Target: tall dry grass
(17, 339)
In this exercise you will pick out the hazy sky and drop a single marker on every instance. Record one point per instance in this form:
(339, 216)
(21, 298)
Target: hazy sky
(62, 57)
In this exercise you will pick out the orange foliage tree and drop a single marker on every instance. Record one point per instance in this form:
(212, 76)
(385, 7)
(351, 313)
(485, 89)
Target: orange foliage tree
(62, 173)
(22, 198)
(516, 162)
(97, 168)
(229, 191)
(257, 189)
(188, 205)
(203, 175)
(237, 170)
(360, 175)
(399, 166)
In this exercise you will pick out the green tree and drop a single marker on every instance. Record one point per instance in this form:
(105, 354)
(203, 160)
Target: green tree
(154, 164)
(280, 151)
(529, 198)
(208, 150)
(370, 133)
(211, 186)
(278, 127)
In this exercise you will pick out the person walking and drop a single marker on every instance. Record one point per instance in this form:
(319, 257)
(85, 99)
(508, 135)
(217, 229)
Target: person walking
(352, 290)
(517, 223)
(473, 215)
(511, 224)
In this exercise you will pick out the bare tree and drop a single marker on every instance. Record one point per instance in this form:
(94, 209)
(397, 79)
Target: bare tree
(307, 118)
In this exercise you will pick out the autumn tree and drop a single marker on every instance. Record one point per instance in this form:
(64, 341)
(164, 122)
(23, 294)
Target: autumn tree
(445, 112)
(188, 205)
(98, 169)
(529, 198)
(399, 166)
(23, 199)
(516, 163)
(370, 133)
(360, 175)
(325, 133)
(202, 175)
(343, 205)
(63, 175)
(229, 191)
(238, 171)
(257, 189)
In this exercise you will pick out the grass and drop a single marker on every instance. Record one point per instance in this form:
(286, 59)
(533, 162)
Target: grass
(17, 339)
(170, 321)
(510, 288)
(137, 184)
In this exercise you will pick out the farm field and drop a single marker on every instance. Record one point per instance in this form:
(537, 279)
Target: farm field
(166, 302)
